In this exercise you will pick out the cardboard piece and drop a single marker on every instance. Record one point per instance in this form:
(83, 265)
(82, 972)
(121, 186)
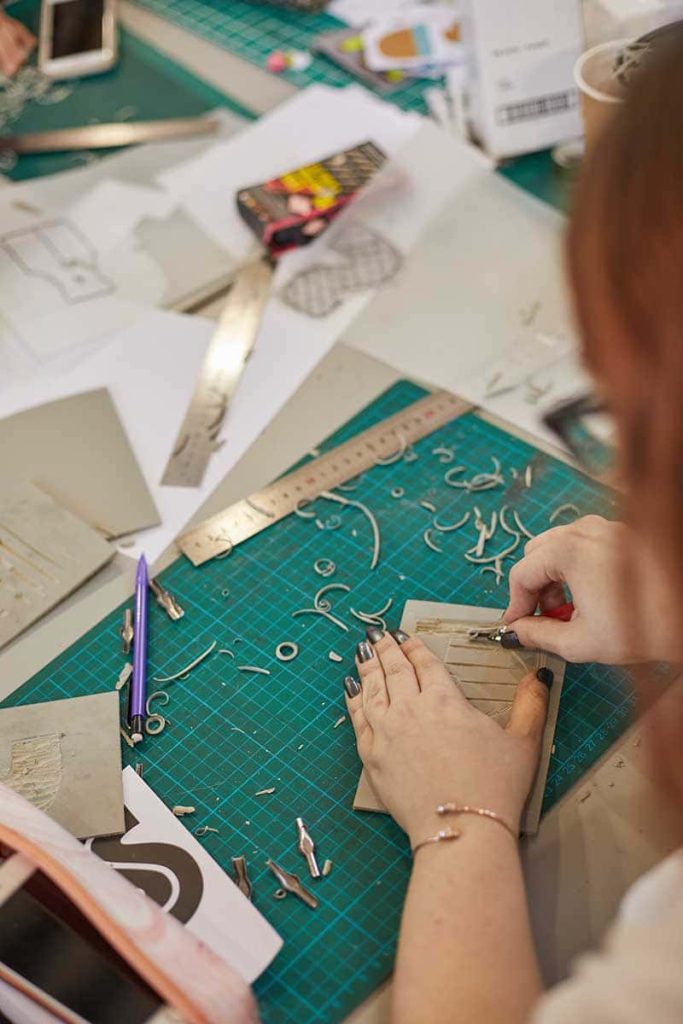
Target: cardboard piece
(75, 450)
(159, 854)
(45, 554)
(488, 676)
(64, 757)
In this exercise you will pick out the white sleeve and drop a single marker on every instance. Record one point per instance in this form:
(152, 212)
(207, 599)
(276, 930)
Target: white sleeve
(636, 979)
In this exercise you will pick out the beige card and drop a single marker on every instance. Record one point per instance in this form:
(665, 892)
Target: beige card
(76, 450)
(45, 554)
(488, 676)
(64, 757)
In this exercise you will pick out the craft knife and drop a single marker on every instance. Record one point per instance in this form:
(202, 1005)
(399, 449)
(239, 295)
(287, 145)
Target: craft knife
(108, 136)
(507, 637)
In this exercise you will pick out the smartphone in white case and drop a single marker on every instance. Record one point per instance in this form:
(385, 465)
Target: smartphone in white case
(77, 37)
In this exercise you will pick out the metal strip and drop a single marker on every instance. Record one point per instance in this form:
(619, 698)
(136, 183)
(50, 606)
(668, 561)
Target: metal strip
(251, 515)
(108, 136)
(219, 375)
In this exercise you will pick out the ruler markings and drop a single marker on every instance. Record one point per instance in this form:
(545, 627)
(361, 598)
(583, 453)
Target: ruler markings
(238, 523)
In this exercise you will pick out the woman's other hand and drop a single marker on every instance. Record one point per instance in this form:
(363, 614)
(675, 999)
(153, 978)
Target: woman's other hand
(588, 558)
(423, 744)
(16, 44)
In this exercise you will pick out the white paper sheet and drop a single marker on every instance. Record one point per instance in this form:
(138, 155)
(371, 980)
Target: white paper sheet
(61, 288)
(490, 255)
(214, 908)
(315, 123)
(360, 12)
(112, 210)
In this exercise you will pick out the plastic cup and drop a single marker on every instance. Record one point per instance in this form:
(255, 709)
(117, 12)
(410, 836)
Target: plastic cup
(600, 90)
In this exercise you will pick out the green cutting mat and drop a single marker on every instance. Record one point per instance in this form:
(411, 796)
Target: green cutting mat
(232, 734)
(144, 85)
(254, 30)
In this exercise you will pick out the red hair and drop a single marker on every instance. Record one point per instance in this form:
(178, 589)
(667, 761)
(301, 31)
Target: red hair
(625, 261)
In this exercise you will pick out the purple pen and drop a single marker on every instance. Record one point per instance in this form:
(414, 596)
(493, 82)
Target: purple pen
(138, 689)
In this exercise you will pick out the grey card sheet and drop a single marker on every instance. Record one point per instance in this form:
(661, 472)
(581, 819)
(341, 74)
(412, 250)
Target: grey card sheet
(488, 676)
(64, 757)
(45, 554)
(76, 450)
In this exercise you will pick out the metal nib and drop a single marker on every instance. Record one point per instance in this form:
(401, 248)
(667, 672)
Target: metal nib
(502, 635)
(126, 631)
(292, 883)
(166, 600)
(242, 881)
(306, 848)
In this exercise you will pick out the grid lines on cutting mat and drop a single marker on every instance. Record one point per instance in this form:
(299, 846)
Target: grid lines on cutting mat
(252, 31)
(231, 734)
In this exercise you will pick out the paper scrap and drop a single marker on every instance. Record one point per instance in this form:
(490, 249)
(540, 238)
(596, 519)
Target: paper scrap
(489, 254)
(76, 450)
(416, 39)
(111, 211)
(46, 552)
(158, 854)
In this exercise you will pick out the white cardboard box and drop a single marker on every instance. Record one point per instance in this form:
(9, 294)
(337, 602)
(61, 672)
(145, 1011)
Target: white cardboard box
(520, 58)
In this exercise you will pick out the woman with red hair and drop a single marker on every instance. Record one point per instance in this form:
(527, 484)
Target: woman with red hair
(466, 953)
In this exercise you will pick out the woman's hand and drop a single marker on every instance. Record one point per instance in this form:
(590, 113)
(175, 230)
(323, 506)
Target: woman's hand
(423, 744)
(588, 558)
(16, 43)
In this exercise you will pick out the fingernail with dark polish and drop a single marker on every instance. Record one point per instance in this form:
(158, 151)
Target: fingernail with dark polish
(374, 634)
(364, 651)
(352, 686)
(399, 636)
(509, 640)
(545, 676)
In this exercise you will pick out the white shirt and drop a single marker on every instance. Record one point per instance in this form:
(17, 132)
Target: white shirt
(637, 978)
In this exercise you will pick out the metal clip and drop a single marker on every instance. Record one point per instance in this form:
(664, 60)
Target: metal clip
(499, 635)
(126, 630)
(306, 848)
(242, 880)
(166, 600)
(292, 883)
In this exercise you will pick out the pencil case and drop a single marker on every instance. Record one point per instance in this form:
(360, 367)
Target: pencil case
(291, 210)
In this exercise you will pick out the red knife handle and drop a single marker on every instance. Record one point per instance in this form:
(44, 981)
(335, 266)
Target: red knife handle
(563, 613)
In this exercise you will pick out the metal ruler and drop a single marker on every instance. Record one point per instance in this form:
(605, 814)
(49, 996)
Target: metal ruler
(219, 375)
(109, 136)
(248, 517)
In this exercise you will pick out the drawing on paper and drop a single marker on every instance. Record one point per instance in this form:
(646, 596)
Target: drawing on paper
(57, 252)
